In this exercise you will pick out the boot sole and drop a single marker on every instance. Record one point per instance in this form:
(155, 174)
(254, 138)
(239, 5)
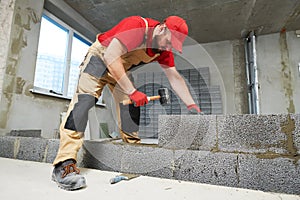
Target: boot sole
(68, 187)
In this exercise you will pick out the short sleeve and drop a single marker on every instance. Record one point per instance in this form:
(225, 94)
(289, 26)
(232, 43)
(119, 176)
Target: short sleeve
(166, 59)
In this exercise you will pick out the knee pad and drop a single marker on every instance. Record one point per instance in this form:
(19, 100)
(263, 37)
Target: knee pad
(130, 118)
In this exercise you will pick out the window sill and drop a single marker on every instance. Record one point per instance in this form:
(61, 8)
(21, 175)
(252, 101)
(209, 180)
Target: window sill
(46, 92)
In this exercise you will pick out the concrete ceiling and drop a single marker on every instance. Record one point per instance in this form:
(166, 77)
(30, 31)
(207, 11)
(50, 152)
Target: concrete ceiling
(208, 20)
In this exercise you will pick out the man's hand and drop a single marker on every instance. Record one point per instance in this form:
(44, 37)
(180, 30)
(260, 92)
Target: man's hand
(138, 98)
(194, 109)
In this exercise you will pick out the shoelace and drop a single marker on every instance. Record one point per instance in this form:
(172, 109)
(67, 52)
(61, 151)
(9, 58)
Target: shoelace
(69, 169)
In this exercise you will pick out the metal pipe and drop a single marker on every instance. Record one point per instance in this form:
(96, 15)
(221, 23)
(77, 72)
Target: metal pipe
(252, 73)
(247, 74)
(255, 75)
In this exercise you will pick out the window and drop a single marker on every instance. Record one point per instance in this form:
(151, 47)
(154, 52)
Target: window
(61, 50)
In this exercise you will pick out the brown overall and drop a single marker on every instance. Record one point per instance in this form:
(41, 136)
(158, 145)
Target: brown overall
(93, 77)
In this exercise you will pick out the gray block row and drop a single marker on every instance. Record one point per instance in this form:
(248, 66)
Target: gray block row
(28, 148)
(270, 134)
(253, 171)
(140, 159)
(32, 149)
(279, 174)
(259, 133)
(25, 133)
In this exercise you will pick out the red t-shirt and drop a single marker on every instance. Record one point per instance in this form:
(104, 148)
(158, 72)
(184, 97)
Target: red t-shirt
(131, 32)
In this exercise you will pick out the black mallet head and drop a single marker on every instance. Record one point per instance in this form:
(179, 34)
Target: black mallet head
(164, 96)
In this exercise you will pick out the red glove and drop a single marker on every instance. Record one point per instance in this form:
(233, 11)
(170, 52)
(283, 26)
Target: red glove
(194, 109)
(138, 98)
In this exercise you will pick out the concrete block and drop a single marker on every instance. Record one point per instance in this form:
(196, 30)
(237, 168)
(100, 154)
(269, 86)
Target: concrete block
(147, 159)
(32, 149)
(102, 155)
(52, 148)
(252, 133)
(25, 133)
(187, 132)
(206, 167)
(296, 131)
(164, 172)
(7, 146)
(273, 175)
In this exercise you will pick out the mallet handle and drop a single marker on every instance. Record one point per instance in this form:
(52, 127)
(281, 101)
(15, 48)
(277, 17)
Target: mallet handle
(128, 101)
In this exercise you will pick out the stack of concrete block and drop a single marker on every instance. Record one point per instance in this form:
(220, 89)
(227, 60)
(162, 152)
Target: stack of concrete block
(248, 151)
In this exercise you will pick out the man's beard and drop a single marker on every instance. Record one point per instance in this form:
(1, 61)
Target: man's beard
(155, 47)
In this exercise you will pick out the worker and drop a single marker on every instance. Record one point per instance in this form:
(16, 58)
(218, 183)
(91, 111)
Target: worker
(133, 41)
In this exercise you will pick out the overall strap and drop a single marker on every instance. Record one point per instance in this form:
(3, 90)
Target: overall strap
(146, 30)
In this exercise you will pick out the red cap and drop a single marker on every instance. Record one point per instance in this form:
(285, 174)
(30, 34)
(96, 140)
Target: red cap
(179, 30)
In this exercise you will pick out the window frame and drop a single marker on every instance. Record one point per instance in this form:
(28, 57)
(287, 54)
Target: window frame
(71, 33)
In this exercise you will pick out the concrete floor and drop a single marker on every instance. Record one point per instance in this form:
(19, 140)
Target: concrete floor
(31, 180)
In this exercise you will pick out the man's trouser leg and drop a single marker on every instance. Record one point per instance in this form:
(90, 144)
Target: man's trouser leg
(128, 116)
(73, 126)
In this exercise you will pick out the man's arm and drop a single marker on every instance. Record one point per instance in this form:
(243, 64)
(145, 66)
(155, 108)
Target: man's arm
(113, 60)
(179, 86)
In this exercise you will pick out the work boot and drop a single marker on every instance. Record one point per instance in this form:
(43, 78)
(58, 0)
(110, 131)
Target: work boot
(66, 175)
